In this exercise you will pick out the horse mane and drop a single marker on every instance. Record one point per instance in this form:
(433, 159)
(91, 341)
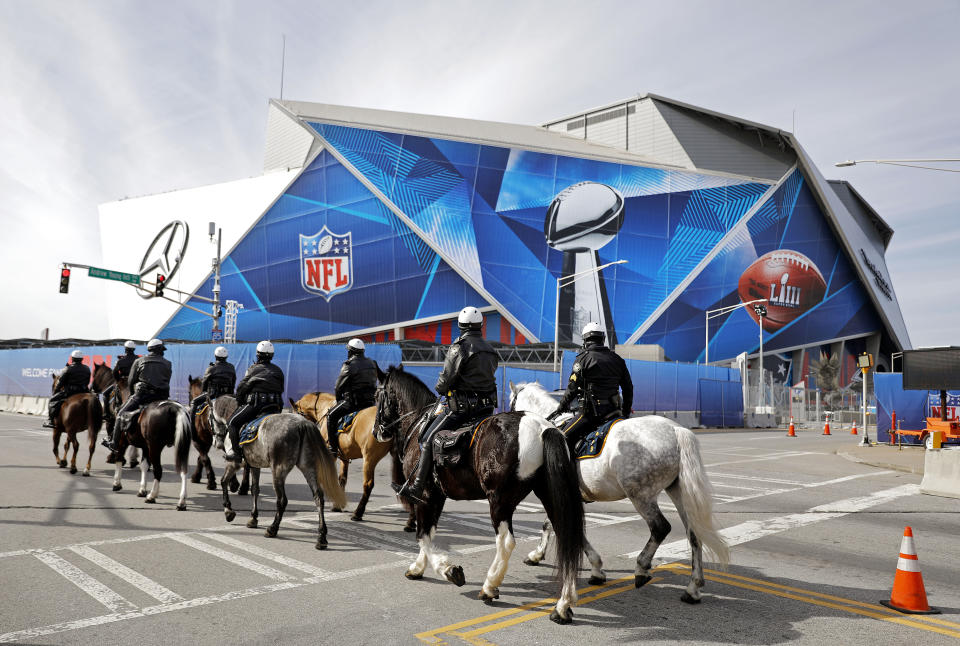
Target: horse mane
(408, 388)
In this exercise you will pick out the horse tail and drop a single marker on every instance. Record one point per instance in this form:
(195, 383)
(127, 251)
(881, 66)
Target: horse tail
(563, 503)
(94, 416)
(697, 496)
(324, 464)
(181, 439)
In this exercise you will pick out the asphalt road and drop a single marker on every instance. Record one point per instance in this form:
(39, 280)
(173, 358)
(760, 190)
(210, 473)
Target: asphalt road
(815, 544)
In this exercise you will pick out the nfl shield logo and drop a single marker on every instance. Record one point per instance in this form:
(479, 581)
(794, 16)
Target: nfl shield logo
(326, 263)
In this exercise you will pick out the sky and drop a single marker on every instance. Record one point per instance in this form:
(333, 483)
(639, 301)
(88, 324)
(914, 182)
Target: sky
(102, 100)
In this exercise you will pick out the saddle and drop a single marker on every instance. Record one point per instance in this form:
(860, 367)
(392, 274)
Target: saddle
(592, 445)
(251, 430)
(347, 422)
(450, 448)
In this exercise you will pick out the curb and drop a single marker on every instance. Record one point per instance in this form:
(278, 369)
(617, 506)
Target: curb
(882, 465)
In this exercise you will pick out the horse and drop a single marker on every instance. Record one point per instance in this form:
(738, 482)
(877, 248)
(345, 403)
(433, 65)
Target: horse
(202, 439)
(284, 441)
(510, 455)
(158, 424)
(111, 402)
(642, 456)
(358, 442)
(78, 413)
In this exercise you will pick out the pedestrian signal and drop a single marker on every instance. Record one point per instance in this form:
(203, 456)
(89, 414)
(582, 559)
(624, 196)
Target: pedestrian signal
(158, 289)
(64, 280)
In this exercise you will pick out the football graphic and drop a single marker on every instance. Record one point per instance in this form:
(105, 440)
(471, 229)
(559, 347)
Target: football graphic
(325, 243)
(791, 282)
(583, 217)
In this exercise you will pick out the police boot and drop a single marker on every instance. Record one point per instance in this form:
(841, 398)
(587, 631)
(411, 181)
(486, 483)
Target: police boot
(48, 423)
(334, 443)
(235, 454)
(111, 442)
(413, 492)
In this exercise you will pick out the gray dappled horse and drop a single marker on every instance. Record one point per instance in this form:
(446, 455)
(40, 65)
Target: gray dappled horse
(158, 424)
(642, 456)
(510, 455)
(284, 441)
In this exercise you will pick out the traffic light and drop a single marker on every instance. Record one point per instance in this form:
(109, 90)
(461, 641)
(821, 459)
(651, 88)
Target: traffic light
(64, 280)
(158, 289)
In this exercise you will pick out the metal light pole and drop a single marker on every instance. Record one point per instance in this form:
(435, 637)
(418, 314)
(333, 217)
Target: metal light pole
(712, 314)
(761, 312)
(566, 281)
(214, 231)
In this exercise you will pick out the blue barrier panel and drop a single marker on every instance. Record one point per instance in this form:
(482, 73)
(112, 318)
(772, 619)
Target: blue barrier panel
(644, 376)
(711, 402)
(687, 390)
(665, 387)
(732, 395)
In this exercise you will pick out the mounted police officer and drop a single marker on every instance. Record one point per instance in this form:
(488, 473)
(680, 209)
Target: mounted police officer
(74, 379)
(121, 369)
(468, 382)
(220, 378)
(355, 390)
(259, 393)
(599, 375)
(149, 382)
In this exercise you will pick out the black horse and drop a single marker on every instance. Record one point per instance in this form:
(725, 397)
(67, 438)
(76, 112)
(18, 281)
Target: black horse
(510, 455)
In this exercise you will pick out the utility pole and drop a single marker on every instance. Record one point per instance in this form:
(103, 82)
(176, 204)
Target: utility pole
(214, 232)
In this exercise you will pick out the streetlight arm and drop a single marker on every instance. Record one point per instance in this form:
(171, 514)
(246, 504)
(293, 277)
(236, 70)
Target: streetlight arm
(909, 163)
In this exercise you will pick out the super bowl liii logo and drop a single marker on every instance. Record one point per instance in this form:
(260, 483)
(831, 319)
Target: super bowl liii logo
(326, 263)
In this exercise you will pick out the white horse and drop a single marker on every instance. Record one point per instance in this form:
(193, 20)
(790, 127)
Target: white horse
(642, 457)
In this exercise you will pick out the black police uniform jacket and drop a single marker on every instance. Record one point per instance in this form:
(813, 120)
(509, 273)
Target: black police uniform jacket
(219, 376)
(74, 379)
(470, 366)
(123, 365)
(603, 372)
(358, 378)
(152, 370)
(261, 377)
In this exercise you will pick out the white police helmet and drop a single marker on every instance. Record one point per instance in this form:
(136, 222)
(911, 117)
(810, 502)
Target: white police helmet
(76, 354)
(155, 344)
(265, 347)
(130, 345)
(220, 352)
(470, 318)
(592, 330)
(355, 345)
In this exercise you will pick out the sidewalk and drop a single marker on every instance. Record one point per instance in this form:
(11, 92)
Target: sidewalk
(884, 456)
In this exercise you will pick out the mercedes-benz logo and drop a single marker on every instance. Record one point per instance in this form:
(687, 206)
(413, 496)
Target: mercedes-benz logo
(164, 254)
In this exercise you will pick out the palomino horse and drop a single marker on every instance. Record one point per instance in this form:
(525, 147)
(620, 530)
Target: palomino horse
(284, 441)
(115, 393)
(78, 413)
(510, 455)
(642, 456)
(158, 424)
(356, 443)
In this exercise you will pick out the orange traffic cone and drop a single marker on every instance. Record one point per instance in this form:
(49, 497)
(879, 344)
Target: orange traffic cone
(826, 426)
(853, 431)
(908, 593)
(791, 432)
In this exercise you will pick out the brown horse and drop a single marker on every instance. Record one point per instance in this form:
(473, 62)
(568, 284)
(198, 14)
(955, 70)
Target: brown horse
(80, 412)
(158, 424)
(203, 441)
(115, 393)
(356, 443)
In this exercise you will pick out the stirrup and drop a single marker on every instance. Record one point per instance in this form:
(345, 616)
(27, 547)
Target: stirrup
(48, 424)
(108, 443)
(405, 492)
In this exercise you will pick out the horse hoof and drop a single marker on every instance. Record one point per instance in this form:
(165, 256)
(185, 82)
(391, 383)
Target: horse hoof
(230, 515)
(134, 463)
(409, 528)
(141, 494)
(641, 580)
(86, 474)
(242, 491)
(181, 507)
(270, 533)
(356, 518)
(530, 561)
(486, 598)
(686, 598)
(321, 545)
(63, 464)
(455, 576)
(598, 580)
(412, 576)
(211, 486)
(73, 470)
(117, 487)
(151, 501)
(336, 509)
(195, 479)
(557, 618)
(252, 523)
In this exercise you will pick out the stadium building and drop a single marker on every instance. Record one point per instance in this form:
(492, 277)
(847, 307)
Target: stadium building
(384, 225)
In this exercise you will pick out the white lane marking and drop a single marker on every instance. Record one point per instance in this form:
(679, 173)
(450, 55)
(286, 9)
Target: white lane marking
(807, 485)
(236, 559)
(755, 529)
(137, 580)
(737, 476)
(361, 539)
(87, 583)
(267, 554)
(18, 432)
(774, 457)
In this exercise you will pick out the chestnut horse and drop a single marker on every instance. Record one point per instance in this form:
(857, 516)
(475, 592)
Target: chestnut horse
(509, 456)
(203, 442)
(114, 394)
(356, 443)
(80, 412)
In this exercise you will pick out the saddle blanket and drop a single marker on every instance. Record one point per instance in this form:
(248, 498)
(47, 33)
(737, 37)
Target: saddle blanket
(347, 422)
(592, 445)
(251, 430)
(450, 447)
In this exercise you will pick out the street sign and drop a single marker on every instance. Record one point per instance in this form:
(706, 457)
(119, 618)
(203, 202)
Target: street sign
(217, 334)
(108, 274)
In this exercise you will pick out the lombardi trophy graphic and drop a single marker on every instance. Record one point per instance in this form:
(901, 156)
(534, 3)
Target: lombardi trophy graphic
(580, 220)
